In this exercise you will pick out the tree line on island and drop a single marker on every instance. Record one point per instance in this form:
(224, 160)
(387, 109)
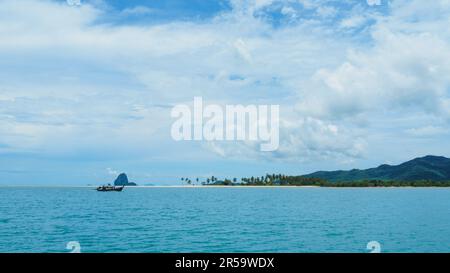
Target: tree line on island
(286, 180)
(428, 171)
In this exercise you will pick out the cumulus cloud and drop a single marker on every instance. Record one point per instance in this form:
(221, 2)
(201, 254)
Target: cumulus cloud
(301, 139)
(71, 82)
(403, 68)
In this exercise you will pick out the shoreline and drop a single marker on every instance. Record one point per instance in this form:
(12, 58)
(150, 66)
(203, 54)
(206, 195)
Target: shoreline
(215, 187)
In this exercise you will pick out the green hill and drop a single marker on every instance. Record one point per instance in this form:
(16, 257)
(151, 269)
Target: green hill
(433, 168)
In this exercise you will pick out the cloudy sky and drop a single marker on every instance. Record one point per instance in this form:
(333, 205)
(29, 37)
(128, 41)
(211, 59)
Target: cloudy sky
(86, 91)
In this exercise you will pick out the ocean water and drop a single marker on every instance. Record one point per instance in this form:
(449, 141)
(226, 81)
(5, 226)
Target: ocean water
(225, 219)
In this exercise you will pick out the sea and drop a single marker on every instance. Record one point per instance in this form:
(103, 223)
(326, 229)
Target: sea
(229, 219)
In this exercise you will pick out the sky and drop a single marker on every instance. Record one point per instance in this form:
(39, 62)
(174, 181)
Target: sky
(86, 91)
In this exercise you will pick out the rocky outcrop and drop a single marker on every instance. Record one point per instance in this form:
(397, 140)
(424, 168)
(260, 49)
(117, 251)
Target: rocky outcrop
(122, 180)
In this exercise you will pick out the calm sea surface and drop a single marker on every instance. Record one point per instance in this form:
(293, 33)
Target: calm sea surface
(224, 219)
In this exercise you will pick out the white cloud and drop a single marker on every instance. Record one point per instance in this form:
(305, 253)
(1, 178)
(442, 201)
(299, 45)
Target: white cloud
(243, 50)
(326, 11)
(78, 85)
(112, 171)
(301, 139)
(427, 131)
(399, 71)
(289, 11)
(353, 22)
(137, 10)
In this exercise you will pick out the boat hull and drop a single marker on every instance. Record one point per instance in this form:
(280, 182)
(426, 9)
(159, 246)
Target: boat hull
(106, 189)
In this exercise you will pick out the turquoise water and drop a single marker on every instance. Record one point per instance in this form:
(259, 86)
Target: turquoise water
(225, 219)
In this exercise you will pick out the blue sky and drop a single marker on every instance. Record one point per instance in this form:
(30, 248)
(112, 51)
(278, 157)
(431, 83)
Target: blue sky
(157, 12)
(86, 91)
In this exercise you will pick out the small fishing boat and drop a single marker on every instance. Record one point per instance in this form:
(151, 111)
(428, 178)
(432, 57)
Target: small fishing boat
(110, 188)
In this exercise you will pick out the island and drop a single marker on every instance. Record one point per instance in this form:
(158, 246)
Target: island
(122, 180)
(428, 171)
